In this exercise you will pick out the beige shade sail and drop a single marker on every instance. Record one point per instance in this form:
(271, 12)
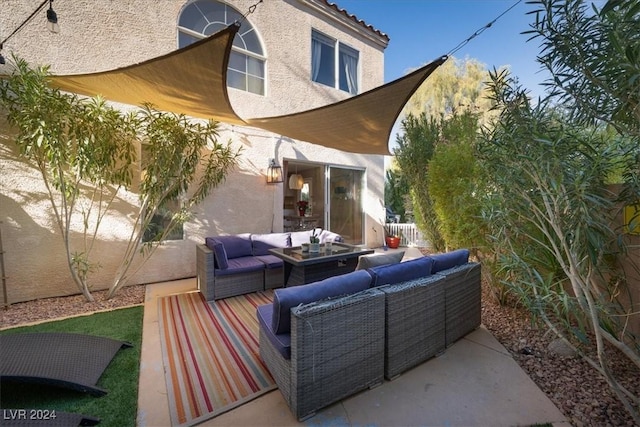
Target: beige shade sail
(361, 124)
(190, 81)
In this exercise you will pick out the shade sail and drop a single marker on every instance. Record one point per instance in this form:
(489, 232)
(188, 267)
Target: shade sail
(361, 124)
(191, 80)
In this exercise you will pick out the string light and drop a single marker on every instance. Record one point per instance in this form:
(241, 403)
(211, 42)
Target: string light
(480, 30)
(52, 20)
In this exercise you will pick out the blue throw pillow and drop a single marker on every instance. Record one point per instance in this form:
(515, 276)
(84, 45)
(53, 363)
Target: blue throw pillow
(237, 245)
(401, 272)
(220, 255)
(285, 299)
(449, 259)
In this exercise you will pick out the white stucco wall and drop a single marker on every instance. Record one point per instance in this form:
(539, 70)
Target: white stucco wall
(102, 35)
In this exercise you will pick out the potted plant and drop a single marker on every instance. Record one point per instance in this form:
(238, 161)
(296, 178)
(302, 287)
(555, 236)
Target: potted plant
(314, 240)
(392, 240)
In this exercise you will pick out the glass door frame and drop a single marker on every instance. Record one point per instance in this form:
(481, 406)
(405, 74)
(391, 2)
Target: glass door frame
(361, 190)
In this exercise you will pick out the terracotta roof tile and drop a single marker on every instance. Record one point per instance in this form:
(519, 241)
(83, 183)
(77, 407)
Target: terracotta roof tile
(355, 19)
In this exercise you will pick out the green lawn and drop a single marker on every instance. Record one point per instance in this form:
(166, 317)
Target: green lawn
(119, 406)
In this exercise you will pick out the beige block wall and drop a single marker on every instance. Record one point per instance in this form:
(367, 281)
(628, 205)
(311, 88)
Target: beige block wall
(102, 35)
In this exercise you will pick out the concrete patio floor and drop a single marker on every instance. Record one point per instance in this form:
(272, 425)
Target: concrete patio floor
(474, 383)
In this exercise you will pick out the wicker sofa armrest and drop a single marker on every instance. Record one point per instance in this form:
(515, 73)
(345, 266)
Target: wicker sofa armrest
(224, 286)
(204, 270)
(337, 349)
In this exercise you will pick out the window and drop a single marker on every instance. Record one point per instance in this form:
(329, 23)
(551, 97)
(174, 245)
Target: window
(162, 218)
(246, 69)
(161, 221)
(333, 63)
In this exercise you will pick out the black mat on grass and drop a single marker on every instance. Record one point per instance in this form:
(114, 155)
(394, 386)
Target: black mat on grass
(73, 361)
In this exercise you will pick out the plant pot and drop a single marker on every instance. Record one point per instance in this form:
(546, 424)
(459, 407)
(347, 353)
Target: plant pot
(392, 241)
(301, 212)
(314, 247)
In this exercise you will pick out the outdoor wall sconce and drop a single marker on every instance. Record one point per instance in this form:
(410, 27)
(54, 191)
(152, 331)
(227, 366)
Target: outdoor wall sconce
(274, 173)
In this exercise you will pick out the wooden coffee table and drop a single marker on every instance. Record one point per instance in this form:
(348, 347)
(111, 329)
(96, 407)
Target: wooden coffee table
(307, 267)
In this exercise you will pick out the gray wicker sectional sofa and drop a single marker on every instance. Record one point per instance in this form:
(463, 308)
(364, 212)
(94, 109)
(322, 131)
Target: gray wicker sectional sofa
(327, 340)
(237, 264)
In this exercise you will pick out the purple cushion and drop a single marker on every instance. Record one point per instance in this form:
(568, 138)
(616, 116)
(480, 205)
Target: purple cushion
(237, 245)
(270, 261)
(244, 264)
(449, 259)
(261, 243)
(281, 342)
(286, 298)
(401, 272)
(220, 255)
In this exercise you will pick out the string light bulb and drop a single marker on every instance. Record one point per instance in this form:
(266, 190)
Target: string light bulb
(52, 19)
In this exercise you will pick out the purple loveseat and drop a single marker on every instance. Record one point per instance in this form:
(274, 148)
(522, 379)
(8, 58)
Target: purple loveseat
(330, 339)
(241, 263)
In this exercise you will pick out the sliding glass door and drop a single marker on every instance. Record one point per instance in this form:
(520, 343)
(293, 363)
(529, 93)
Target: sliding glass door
(345, 211)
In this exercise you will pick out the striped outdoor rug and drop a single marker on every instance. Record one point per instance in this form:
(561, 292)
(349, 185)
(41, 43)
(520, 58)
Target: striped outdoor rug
(211, 354)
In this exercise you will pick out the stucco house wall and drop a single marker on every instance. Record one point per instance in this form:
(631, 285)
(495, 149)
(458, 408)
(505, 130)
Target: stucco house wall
(96, 36)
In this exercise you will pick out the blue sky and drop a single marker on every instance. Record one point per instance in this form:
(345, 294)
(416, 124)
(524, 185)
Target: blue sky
(423, 30)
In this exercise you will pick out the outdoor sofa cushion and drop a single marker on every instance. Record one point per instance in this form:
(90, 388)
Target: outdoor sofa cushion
(270, 261)
(261, 243)
(229, 247)
(300, 237)
(374, 260)
(448, 260)
(401, 272)
(243, 264)
(237, 245)
(281, 342)
(220, 258)
(326, 236)
(286, 298)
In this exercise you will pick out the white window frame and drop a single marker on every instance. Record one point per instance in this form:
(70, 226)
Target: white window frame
(338, 48)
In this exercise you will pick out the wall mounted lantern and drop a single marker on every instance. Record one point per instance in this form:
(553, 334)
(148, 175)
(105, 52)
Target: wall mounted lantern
(274, 173)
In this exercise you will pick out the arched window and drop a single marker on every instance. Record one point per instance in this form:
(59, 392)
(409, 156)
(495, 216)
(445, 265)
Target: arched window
(202, 18)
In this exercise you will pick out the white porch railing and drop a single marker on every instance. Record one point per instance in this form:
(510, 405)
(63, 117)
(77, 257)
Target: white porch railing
(409, 234)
